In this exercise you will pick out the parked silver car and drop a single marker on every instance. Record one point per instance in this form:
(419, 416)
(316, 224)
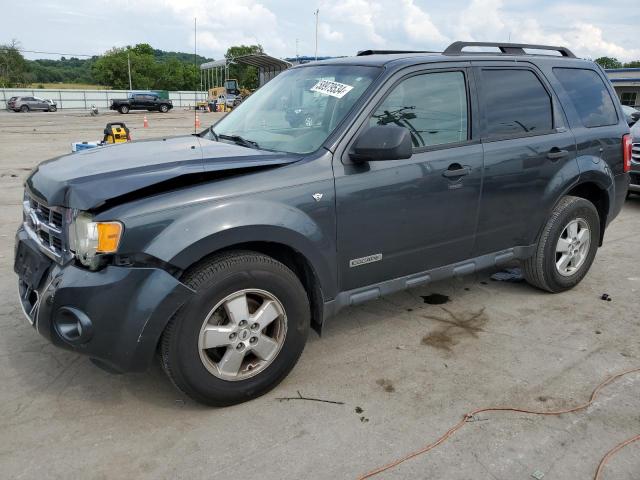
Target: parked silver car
(26, 104)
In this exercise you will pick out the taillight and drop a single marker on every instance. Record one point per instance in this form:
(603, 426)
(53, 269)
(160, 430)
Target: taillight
(627, 145)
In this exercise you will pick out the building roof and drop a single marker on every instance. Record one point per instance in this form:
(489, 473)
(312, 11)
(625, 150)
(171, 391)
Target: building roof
(261, 61)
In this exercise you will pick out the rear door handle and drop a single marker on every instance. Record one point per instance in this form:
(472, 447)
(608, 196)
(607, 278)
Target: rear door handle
(555, 153)
(456, 172)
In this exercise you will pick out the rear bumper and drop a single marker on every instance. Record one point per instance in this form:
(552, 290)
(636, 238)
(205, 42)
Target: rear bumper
(617, 196)
(120, 311)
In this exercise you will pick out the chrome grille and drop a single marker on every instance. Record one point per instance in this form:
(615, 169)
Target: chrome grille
(635, 153)
(47, 227)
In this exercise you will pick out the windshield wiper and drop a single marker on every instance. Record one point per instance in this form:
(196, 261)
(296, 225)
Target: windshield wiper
(238, 140)
(213, 132)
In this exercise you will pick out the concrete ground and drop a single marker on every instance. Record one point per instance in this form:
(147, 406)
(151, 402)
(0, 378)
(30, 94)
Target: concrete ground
(405, 370)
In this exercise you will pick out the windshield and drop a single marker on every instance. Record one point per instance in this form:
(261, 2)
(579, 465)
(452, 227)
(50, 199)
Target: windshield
(296, 111)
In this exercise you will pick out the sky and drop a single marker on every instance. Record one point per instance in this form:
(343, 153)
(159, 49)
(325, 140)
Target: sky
(287, 27)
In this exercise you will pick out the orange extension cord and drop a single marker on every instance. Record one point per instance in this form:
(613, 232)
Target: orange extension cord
(471, 414)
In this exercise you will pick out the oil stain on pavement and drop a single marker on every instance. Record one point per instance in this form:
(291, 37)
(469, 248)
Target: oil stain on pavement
(453, 327)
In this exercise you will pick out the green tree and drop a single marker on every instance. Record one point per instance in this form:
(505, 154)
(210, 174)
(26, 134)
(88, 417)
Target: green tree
(14, 70)
(112, 69)
(246, 75)
(633, 64)
(177, 75)
(608, 62)
(149, 70)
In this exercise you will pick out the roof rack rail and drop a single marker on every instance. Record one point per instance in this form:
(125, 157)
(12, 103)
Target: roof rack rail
(505, 48)
(363, 53)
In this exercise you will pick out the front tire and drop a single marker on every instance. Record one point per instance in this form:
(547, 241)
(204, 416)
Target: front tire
(566, 248)
(164, 108)
(241, 333)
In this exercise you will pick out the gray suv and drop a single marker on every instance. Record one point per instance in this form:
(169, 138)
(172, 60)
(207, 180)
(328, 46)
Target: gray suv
(26, 104)
(218, 252)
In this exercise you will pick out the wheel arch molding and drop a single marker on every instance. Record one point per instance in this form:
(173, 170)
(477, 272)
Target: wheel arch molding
(271, 228)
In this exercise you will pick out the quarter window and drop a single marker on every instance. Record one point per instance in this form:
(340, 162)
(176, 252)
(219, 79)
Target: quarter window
(432, 106)
(589, 96)
(515, 103)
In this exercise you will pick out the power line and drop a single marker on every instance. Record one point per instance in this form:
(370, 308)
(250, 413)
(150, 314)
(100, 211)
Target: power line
(50, 53)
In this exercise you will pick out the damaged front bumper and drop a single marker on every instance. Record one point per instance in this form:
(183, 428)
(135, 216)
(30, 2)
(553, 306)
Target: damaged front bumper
(115, 316)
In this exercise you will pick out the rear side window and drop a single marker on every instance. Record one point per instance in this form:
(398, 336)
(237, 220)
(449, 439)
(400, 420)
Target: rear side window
(589, 96)
(432, 106)
(515, 102)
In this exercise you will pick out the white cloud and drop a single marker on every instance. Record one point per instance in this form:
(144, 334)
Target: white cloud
(591, 28)
(325, 31)
(418, 24)
(481, 20)
(221, 23)
(488, 20)
(360, 15)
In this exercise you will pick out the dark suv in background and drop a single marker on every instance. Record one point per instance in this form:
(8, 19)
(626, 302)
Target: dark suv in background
(141, 101)
(217, 252)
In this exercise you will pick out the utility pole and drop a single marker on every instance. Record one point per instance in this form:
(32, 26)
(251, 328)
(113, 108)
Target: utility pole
(129, 66)
(297, 56)
(317, 14)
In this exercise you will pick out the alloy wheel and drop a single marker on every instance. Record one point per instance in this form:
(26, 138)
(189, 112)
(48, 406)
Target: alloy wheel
(242, 334)
(572, 248)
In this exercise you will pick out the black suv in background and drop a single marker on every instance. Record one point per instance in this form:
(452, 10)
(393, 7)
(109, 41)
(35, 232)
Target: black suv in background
(141, 101)
(219, 251)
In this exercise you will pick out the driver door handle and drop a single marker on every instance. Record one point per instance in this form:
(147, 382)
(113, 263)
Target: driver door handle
(456, 170)
(555, 153)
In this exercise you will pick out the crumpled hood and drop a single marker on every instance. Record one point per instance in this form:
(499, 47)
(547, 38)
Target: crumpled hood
(87, 179)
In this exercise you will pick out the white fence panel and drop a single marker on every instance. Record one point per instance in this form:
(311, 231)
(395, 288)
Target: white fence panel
(83, 99)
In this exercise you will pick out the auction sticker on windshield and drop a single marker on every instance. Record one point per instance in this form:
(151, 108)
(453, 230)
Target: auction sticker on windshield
(335, 89)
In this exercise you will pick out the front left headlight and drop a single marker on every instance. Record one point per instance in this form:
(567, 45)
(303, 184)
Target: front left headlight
(89, 239)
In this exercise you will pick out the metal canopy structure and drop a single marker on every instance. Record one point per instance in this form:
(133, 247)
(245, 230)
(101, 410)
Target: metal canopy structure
(213, 74)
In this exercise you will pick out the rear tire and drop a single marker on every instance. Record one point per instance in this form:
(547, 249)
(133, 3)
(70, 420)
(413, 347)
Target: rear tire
(232, 289)
(566, 248)
(24, 108)
(124, 109)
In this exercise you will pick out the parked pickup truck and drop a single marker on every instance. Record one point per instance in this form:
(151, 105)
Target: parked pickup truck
(141, 101)
(217, 252)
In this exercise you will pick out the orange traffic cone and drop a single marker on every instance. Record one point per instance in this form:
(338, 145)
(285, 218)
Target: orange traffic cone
(208, 108)
(197, 121)
(145, 122)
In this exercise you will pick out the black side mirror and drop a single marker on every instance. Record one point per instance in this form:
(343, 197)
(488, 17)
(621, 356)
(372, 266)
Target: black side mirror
(382, 142)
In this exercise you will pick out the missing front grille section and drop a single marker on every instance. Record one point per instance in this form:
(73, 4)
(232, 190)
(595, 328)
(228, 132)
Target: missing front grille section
(45, 225)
